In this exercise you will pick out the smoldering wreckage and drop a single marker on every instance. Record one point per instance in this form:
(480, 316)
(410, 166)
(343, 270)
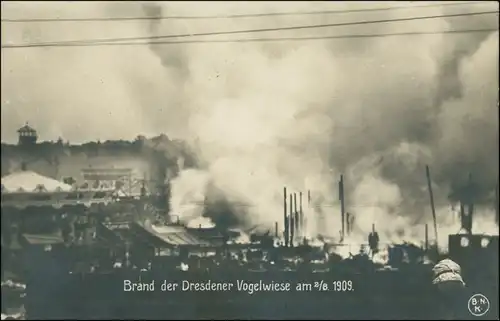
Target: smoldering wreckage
(101, 236)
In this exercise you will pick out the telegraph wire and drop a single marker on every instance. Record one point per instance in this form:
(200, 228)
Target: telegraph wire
(276, 39)
(232, 32)
(236, 16)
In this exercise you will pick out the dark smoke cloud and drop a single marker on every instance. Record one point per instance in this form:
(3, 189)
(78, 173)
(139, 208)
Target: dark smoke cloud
(174, 57)
(266, 115)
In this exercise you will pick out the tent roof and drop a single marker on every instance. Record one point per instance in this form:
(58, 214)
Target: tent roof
(176, 235)
(26, 129)
(43, 239)
(28, 181)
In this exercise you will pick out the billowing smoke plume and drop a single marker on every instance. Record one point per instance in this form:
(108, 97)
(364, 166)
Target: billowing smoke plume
(262, 115)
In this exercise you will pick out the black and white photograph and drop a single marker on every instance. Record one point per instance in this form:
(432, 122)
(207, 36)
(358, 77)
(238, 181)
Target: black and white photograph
(250, 160)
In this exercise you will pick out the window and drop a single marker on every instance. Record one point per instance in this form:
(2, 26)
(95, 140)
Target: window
(485, 242)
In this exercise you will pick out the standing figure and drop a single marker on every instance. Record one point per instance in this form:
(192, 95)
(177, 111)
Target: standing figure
(452, 298)
(373, 241)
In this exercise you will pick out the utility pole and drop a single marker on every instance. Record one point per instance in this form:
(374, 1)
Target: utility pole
(290, 220)
(285, 218)
(431, 196)
(496, 205)
(342, 205)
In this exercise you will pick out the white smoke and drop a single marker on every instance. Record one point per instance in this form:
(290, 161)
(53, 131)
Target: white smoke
(268, 115)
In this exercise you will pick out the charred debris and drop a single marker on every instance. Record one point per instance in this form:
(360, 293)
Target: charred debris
(154, 238)
(289, 246)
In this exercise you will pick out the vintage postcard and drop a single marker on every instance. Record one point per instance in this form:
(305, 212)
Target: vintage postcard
(244, 160)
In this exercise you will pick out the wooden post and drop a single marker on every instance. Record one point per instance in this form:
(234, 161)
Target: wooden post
(431, 196)
(296, 215)
(301, 215)
(496, 205)
(285, 219)
(292, 234)
(426, 237)
(342, 205)
(306, 222)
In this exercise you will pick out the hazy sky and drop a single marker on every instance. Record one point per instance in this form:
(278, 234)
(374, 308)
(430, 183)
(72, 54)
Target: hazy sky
(269, 113)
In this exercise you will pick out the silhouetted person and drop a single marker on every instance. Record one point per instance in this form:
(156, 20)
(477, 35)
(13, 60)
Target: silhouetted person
(452, 294)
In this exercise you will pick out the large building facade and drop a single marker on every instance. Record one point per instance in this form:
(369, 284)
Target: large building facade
(129, 166)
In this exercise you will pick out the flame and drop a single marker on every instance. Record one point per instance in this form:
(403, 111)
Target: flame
(393, 224)
(243, 238)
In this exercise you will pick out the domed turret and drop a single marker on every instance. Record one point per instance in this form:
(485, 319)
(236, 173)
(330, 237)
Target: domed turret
(27, 135)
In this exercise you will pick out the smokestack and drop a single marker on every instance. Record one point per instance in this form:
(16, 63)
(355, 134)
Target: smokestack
(373, 227)
(292, 234)
(276, 229)
(285, 218)
(342, 208)
(296, 214)
(426, 237)
(301, 216)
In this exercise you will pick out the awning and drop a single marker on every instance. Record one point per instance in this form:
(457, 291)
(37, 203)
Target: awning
(29, 182)
(176, 235)
(27, 188)
(43, 239)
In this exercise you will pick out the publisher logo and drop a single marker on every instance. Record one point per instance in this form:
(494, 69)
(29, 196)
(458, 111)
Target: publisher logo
(478, 305)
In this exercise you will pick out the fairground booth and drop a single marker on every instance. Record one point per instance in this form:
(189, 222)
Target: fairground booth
(42, 217)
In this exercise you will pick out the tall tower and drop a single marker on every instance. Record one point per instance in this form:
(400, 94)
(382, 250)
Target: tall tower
(27, 136)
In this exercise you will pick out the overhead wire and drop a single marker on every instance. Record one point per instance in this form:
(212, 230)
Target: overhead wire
(237, 16)
(250, 40)
(232, 32)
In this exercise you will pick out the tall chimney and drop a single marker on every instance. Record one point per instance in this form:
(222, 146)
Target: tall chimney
(276, 229)
(292, 234)
(296, 220)
(426, 237)
(301, 216)
(342, 209)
